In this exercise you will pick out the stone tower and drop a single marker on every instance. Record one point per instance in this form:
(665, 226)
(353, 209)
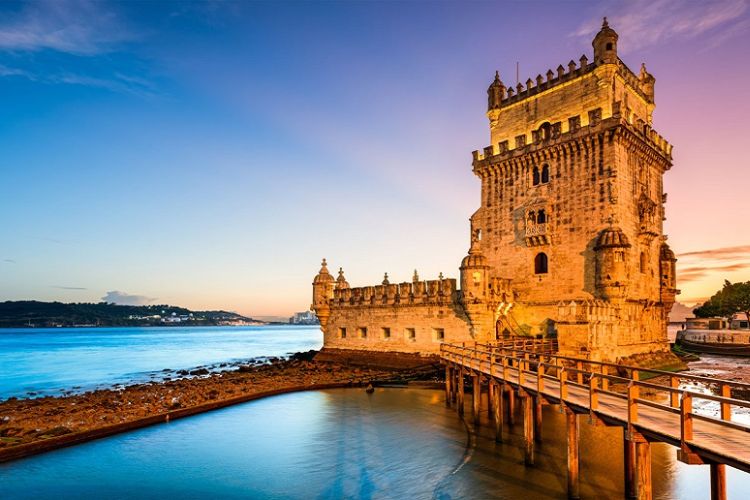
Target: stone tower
(568, 238)
(573, 203)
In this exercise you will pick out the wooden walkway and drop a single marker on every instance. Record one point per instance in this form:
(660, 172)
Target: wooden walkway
(537, 376)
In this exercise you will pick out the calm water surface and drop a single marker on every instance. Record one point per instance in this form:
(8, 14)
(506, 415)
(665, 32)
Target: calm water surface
(396, 443)
(53, 360)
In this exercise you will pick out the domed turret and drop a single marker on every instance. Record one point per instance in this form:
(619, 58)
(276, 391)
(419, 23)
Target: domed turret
(647, 82)
(474, 274)
(611, 263)
(667, 262)
(495, 93)
(605, 45)
(341, 282)
(323, 285)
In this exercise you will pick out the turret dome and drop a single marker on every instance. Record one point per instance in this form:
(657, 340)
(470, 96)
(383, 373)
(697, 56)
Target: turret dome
(475, 258)
(612, 237)
(323, 275)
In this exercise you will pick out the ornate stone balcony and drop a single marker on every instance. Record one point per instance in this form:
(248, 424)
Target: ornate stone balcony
(537, 234)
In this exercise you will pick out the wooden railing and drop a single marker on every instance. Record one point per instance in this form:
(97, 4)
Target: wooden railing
(597, 378)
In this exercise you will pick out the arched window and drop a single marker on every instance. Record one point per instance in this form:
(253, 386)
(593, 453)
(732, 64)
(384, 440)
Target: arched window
(536, 176)
(545, 174)
(644, 262)
(531, 218)
(541, 217)
(541, 265)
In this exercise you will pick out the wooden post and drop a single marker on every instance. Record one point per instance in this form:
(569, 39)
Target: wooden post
(643, 470)
(538, 418)
(511, 406)
(573, 476)
(448, 376)
(629, 462)
(476, 397)
(498, 407)
(528, 429)
(460, 391)
(718, 482)
(674, 396)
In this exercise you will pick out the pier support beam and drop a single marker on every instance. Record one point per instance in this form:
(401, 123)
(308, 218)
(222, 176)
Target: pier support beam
(460, 401)
(497, 406)
(573, 463)
(511, 406)
(629, 462)
(538, 418)
(528, 428)
(448, 376)
(476, 397)
(643, 470)
(718, 482)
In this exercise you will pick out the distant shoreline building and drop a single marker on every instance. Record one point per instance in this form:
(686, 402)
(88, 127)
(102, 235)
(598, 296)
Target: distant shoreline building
(304, 318)
(568, 238)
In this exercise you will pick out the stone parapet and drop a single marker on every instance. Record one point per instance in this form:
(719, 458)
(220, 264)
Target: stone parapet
(407, 293)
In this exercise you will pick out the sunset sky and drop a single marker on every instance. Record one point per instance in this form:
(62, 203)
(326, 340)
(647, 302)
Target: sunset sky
(210, 154)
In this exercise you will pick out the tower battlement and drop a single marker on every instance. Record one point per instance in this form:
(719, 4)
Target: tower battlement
(574, 131)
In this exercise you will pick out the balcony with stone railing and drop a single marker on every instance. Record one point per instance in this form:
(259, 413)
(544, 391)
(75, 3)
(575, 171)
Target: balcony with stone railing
(537, 234)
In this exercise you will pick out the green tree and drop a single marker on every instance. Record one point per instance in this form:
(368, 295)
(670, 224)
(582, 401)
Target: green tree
(731, 299)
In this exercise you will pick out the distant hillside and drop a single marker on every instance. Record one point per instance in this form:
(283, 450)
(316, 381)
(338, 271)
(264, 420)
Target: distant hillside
(31, 313)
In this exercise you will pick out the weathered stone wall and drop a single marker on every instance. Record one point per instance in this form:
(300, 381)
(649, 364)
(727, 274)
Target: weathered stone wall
(426, 321)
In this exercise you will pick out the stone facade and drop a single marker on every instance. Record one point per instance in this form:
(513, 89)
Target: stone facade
(568, 239)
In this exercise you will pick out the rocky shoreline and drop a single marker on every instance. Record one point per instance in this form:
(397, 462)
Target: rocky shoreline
(35, 424)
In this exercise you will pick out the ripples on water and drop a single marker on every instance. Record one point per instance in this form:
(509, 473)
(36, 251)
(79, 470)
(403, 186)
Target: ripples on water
(53, 360)
(396, 443)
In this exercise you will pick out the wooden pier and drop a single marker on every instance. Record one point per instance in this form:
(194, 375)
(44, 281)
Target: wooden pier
(609, 394)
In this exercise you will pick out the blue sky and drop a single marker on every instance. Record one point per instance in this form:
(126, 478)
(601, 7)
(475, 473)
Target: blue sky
(209, 154)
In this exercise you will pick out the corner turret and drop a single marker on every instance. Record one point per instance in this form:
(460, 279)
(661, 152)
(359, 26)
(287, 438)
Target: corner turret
(605, 45)
(323, 285)
(668, 276)
(475, 290)
(611, 263)
(647, 83)
(341, 283)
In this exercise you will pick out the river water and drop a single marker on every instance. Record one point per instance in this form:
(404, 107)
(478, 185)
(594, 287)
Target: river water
(343, 443)
(52, 361)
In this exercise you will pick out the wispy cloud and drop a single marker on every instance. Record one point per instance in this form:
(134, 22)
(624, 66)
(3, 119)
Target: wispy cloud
(643, 23)
(9, 261)
(119, 82)
(79, 27)
(69, 287)
(126, 299)
(724, 253)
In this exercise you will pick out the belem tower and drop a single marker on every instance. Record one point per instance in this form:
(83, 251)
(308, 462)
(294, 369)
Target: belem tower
(568, 239)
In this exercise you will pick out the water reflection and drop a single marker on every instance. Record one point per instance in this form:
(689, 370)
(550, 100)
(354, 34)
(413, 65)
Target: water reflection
(396, 443)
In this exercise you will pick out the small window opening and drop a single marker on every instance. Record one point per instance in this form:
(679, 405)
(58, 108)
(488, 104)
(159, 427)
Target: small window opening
(541, 217)
(541, 264)
(386, 333)
(438, 334)
(411, 334)
(342, 333)
(535, 176)
(545, 174)
(545, 131)
(609, 46)
(643, 262)
(362, 331)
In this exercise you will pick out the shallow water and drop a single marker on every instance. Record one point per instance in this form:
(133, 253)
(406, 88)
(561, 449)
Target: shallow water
(54, 360)
(343, 443)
